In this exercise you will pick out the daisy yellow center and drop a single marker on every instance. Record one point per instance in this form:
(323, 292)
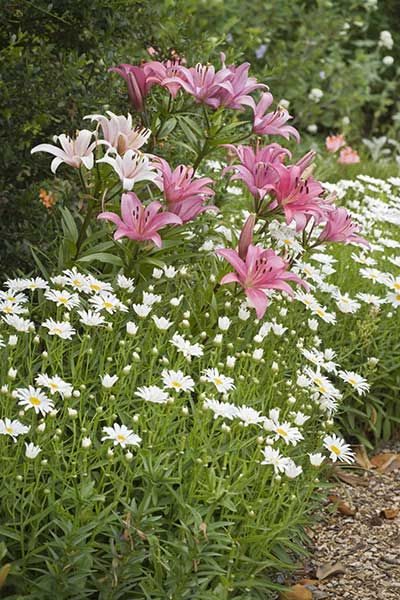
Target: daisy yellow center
(398, 297)
(322, 389)
(63, 299)
(287, 241)
(397, 286)
(53, 386)
(12, 298)
(218, 381)
(57, 330)
(8, 309)
(121, 438)
(9, 430)
(77, 282)
(352, 381)
(34, 400)
(176, 384)
(107, 304)
(95, 287)
(320, 312)
(281, 432)
(335, 450)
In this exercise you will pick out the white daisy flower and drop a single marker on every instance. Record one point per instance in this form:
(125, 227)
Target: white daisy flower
(222, 383)
(12, 428)
(61, 329)
(108, 302)
(289, 434)
(142, 310)
(121, 436)
(292, 470)
(91, 318)
(371, 299)
(249, 416)
(108, 381)
(176, 380)
(98, 287)
(185, 347)
(34, 398)
(322, 313)
(150, 299)
(356, 381)
(13, 297)
(316, 459)
(224, 323)
(274, 457)
(76, 280)
(63, 298)
(162, 323)
(394, 299)
(338, 449)
(19, 323)
(12, 308)
(35, 283)
(32, 451)
(225, 410)
(152, 393)
(125, 283)
(55, 385)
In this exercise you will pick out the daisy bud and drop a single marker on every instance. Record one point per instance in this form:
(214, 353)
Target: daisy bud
(36, 339)
(86, 442)
(76, 394)
(72, 413)
(110, 453)
(129, 456)
(44, 462)
(12, 373)
(45, 354)
(127, 369)
(4, 389)
(12, 340)
(185, 323)
(224, 323)
(260, 439)
(218, 339)
(135, 418)
(135, 356)
(275, 367)
(186, 314)
(225, 427)
(41, 427)
(203, 335)
(212, 278)
(185, 411)
(19, 478)
(53, 413)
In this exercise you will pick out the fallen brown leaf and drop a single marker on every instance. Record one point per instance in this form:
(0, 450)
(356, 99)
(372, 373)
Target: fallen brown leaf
(4, 571)
(342, 506)
(350, 479)
(297, 592)
(389, 513)
(362, 458)
(308, 581)
(329, 569)
(386, 462)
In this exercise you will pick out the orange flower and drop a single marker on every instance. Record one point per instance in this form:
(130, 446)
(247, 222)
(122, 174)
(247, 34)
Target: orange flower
(46, 198)
(334, 142)
(348, 156)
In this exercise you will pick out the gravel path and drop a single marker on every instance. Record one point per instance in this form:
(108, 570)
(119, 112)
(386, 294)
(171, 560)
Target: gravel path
(356, 544)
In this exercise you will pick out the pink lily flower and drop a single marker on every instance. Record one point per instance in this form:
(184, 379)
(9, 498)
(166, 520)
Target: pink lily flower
(340, 228)
(246, 236)
(131, 168)
(73, 152)
(202, 82)
(334, 142)
(138, 86)
(258, 169)
(119, 133)
(185, 195)
(238, 86)
(259, 271)
(272, 123)
(300, 199)
(348, 156)
(161, 73)
(140, 222)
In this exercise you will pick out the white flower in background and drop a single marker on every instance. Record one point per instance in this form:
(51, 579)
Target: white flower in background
(376, 276)
(346, 304)
(73, 152)
(356, 381)
(108, 381)
(91, 318)
(131, 328)
(274, 457)
(176, 301)
(394, 299)
(185, 347)
(12, 308)
(249, 416)
(313, 324)
(86, 442)
(54, 384)
(371, 299)
(118, 132)
(125, 283)
(152, 393)
(97, 286)
(61, 329)
(322, 313)
(292, 470)
(230, 362)
(142, 310)
(131, 168)
(19, 323)
(225, 410)
(312, 128)
(388, 61)
(338, 449)
(322, 384)
(244, 313)
(76, 280)
(257, 354)
(162, 323)
(278, 329)
(307, 299)
(34, 398)
(170, 272)
(386, 39)
(224, 323)
(316, 459)
(62, 298)
(222, 383)
(34, 283)
(150, 299)
(12, 428)
(32, 451)
(157, 273)
(14, 298)
(300, 418)
(177, 381)
(315, 95)
(121, 436)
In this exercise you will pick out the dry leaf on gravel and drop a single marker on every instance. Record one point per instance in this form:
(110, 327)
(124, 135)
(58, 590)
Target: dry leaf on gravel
(342, 506)
(349, 478)
(386, 462)
(361, 457)
(297, 592)
(329, 569)
(390, 513)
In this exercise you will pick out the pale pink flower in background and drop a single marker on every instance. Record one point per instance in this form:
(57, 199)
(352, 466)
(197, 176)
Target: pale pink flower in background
(185, 195)
(273, 123)
(334, 142)
(261, 270)
(202, 82)
(235, 90)
(132, 167)
(340, 228)
(73, 152)
(348, 156)
(140, 222)
(138, 86)
(118, 132)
